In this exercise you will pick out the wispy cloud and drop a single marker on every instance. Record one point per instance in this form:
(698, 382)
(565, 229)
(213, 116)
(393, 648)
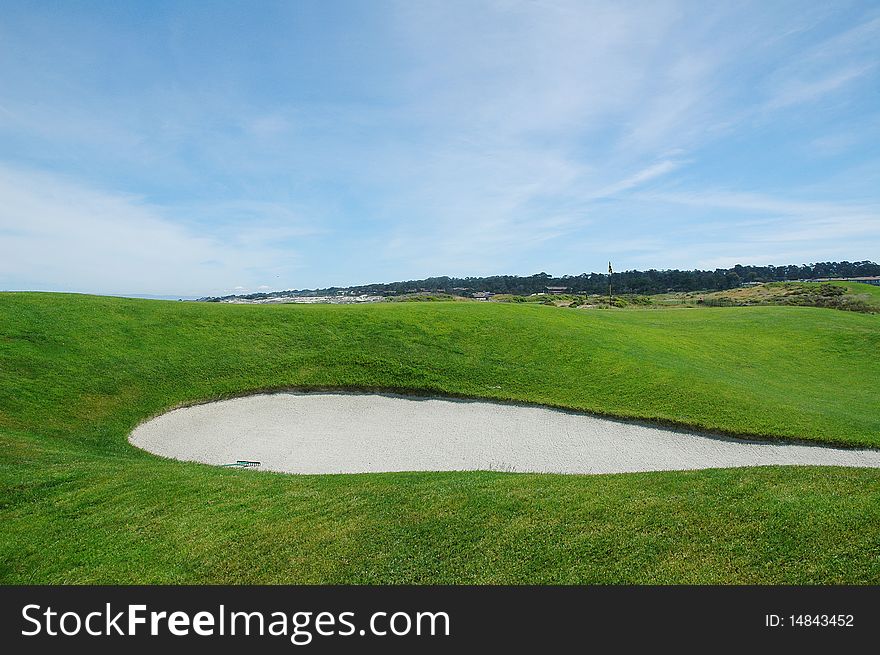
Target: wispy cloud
(393, 140)
(800, 91)
(60, 235)
(737, 227)
(827, 66)
(763, 203)
(643, 176)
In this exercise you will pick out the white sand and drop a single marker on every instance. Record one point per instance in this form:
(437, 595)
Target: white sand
(359, 433)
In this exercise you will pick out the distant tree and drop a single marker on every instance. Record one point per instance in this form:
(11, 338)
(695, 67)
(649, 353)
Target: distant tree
(626, 282)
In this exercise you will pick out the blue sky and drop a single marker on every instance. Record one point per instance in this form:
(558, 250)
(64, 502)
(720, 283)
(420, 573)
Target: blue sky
(204, 148)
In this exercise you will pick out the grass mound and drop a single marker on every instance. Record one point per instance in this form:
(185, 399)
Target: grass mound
(79, 504)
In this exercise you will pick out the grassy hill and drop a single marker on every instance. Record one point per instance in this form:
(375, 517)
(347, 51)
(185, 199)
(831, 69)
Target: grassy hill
(849, 296)
(79, 504)
(869, 293)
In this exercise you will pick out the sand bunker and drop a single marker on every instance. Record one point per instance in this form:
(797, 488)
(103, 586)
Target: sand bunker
(360, 433)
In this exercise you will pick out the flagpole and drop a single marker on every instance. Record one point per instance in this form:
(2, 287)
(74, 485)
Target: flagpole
(609, 285)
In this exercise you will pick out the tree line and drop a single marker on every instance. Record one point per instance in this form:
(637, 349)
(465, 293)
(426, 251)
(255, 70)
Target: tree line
(625, 282)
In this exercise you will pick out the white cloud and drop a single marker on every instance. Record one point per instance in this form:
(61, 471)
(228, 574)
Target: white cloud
(506, 100)
(765, 204)
(474, 138)
(827, 67)
(60, 235)
(800, 91)
(722, 228)
(641, 177)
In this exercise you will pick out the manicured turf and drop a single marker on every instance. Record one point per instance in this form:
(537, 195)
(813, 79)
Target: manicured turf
(79, 504)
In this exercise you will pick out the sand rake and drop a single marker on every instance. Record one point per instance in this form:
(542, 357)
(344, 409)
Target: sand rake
(242, 464)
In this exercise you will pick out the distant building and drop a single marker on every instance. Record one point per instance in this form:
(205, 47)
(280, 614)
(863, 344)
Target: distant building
(873, 279)
(556, 290)
(482, 295)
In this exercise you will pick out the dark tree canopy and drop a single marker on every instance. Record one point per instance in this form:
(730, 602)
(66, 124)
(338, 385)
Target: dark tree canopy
(637, 282)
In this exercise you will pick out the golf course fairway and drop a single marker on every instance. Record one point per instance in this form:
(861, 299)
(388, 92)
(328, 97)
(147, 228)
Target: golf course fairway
(80, 504)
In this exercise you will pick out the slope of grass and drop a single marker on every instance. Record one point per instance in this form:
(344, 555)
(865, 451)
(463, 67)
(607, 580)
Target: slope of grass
(869, 293)
(79, 504)
(849, 296)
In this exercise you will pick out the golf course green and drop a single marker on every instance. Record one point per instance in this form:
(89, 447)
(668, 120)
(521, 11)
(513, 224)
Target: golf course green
(79, 504)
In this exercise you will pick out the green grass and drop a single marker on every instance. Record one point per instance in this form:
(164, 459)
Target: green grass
(79, 504)
(848, 296)
(855, 296)
(868, 292)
